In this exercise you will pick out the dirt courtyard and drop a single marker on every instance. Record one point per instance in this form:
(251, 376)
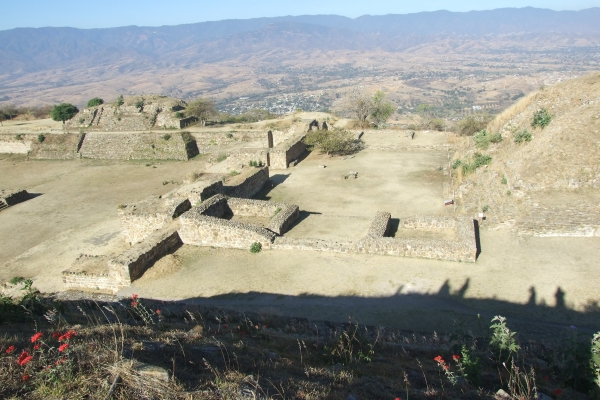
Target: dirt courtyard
(551, 281)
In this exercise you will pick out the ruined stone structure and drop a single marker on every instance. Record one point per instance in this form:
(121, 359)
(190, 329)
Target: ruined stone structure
(286, 152)
(52, 146)
(11, 197)
(138, 113)
(248, 183)
(139, 146)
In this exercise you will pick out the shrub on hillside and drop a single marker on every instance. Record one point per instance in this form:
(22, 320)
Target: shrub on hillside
(541, 118)
(96, 101)
(120, 101)
(523, 136)
(483, 138)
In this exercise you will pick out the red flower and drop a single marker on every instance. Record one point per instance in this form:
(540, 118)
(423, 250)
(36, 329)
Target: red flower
(558, 392)
(456, 357)
(36, 347)
(66, 336)
(134, 304)
(25, 377)
(134, 296)
(158, 312)
(24, 358)
(56, 334)
(438, 359)
(10, 349)
(63, 347)
(35, 337)
(62, 360)
(446, 367)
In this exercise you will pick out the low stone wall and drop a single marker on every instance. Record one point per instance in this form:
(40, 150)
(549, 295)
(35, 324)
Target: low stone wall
(9, 144)
(141, 219)
(248, 183)
(310, 244)
(380, 225)
(286, 152)
(569, 220)
(10, 198)
(136, 146)
(253, 208)
(428, 222)
(418, 248)
(200, 230)
(89, 272)
(242, 157)
(208, 141)
(216, 206)
(197, 192)
(131, 264)
(284, 219)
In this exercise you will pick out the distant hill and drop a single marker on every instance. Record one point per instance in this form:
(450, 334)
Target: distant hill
(30, 50)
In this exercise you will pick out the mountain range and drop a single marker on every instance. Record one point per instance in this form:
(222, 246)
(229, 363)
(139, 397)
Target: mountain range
(36, 49)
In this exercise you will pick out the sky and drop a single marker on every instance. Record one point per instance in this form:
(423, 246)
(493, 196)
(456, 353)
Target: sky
(113, 13)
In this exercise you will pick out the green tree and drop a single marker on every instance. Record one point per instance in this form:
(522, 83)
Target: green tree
(120, 101)
(63, 112)
(96, 101)
(382, 110)
(473, 124)
(202, 109)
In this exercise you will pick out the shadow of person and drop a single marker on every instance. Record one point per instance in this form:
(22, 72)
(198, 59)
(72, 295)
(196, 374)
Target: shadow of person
(560, 298)
(532, 297)
(445, 289)
(461, 292)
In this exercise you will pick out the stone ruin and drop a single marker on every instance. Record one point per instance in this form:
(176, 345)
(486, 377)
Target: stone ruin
(137, 113)
(11, 197)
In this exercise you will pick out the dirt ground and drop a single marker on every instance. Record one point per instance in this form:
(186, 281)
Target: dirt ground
(550, 281)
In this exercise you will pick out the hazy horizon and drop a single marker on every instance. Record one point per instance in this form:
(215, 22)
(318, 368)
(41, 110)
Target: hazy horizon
(154, 13)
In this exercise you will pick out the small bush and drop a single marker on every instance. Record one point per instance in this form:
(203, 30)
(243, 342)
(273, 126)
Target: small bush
(504, 181)
(233, 173)
(438, 124)
(19, 137)
(16, 279)
(96, 101)
(483, 139)
(139, 105)
(255, 247)
(81, 120)
(179, 114)
(523, 136)
(120, 101)
(541, 118)
(456, 164)
(41, 137)
(167, 136)
(333, 142)
(478, 161)
(221, 157)
(485, 208)
(229, 135)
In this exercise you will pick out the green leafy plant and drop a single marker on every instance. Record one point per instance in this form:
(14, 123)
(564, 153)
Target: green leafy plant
(483, 139)
(166, 136)
(120, 101)
(469, 366)
(221, 157)
(16, 279)
(81, 120)
(139, 105)
(41, 138)
(255, 247)
(478, 161)
(541, 118)
(522, 136)
(229, 135)
(233, 173)
(19, 137)
(502, 337)
(504, 181)
(485, 208)
(456, 164)
(179, 114)
(96, 101)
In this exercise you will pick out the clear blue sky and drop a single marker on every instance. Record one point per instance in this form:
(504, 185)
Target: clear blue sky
(111, 13)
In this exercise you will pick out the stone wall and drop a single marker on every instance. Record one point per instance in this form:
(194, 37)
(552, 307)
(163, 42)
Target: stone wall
(89, 272)
(311, 244)
(253, 208)
(139, 220)
(11, 145)
(248, 183)
(197, 192)
(155, 113)
(241, 157)
(286, 152)
(61, 146)
(131, 264)
(380, 225)
(569, 220)
(200, 230)
(209, 141)
(135, 146)
(284, 219)
(216, 206)
(12, 197)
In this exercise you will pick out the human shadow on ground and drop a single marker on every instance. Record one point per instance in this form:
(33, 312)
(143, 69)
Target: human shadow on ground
(273, 182)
